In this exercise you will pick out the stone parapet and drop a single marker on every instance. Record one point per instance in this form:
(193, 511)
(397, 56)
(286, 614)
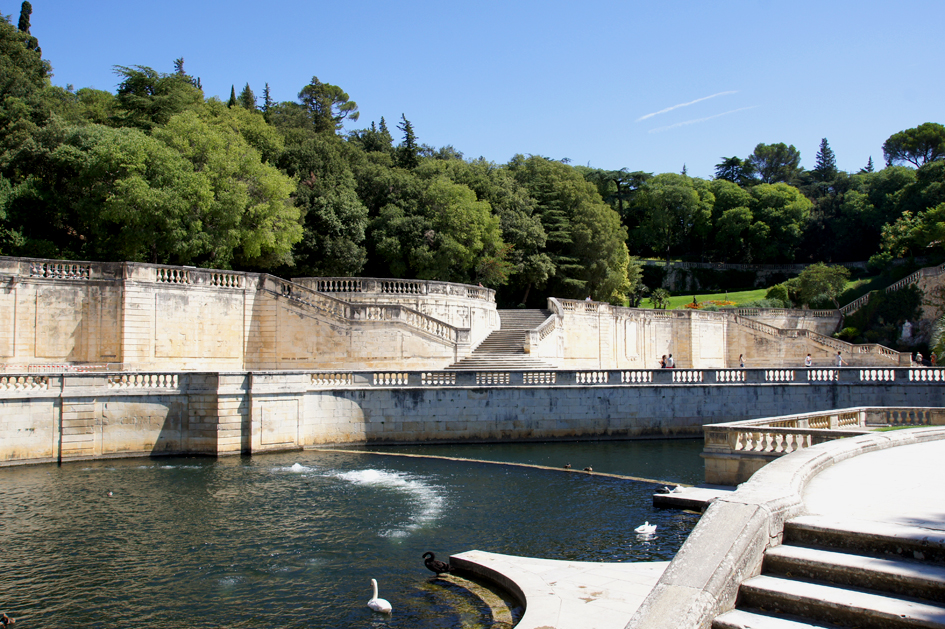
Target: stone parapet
(736, 450)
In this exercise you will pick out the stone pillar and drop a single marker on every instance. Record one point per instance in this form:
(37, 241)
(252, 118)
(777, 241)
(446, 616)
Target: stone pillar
(217, 413)
(137, 312)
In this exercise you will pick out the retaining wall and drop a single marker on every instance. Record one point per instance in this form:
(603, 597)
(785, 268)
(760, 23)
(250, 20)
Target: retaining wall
(65, 417)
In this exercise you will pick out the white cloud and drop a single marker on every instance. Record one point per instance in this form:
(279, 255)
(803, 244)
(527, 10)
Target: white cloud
(692, 102)
(697, 120)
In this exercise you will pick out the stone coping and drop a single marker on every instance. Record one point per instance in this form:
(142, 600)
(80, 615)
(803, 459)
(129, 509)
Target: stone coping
(566, 594)
(728, 544)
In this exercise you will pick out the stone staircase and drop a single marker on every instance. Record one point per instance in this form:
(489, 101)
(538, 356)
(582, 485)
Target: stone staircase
(829, 574)
(504, 349)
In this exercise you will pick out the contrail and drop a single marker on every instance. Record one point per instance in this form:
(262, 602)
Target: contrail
(688, 122)
(698, 100)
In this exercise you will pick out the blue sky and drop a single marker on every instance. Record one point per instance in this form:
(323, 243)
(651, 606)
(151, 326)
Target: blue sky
(647, 86)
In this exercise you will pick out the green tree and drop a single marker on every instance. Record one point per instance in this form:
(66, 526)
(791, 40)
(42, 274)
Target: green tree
(735, 170)
(826, 167)
(232, 102)
(408, 153)
(246, 99)
(267, 102)
(328, 105)
(775, 163)
(868, 168)
(674, 207)
(585, 240)
(251, 220)
(821, 281)
(373, 139)
(149, 99)
(109, 194)
(24, 78)
(523, 262)
(783, 211)
(918, 146)
(334, 218)
(26, 10)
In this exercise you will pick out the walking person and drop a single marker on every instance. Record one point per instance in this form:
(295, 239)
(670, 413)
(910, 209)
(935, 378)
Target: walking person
(741, 361)
(670, 363)
(808, 362)
(840, 361)
(663, 362)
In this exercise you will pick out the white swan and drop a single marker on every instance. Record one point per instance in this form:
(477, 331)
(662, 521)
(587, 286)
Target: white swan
(378, 604)
(646, 528)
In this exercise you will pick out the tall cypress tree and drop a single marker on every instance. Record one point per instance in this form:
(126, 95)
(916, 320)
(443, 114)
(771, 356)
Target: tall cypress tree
(869, 166)
(26, 9)
(232, 101)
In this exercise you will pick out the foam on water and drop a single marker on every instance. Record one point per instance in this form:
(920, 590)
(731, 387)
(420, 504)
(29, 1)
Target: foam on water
(427, 498)
(295, 468)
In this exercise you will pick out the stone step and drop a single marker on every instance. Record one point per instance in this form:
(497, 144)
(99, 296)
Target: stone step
(524, 319)
(877, 538)
(502, 363)
(894, 576)
(844, 606)
(741, 619)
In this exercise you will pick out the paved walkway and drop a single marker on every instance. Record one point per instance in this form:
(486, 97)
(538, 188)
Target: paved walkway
(903, 485)
(569, 593)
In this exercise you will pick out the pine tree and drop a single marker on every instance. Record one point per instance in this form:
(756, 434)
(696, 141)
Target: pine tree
(232, 101)
(179, 67)
(684, 172)
(247, 100)
(408, 153)
(267, 102)
(826, 168)
(869, 166)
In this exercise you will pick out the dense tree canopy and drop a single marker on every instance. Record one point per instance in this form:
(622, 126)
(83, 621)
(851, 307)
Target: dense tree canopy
(158, 172)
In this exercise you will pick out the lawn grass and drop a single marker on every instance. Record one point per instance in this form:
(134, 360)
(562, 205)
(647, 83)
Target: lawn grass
(856, 287)
(739, 297)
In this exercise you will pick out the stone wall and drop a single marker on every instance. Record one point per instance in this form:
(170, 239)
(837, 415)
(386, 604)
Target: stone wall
(594, 335)
(98, 415)
(56, 315)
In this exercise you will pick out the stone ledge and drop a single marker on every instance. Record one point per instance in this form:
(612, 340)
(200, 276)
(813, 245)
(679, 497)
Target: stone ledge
(566, 594)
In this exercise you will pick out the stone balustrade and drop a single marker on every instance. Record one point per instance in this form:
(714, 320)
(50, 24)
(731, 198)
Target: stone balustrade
(144, 381)
(394, 286)
(734, 451)
(23, 383)
(637, 377)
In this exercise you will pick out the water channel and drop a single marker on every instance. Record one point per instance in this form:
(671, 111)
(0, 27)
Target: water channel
(292, 540)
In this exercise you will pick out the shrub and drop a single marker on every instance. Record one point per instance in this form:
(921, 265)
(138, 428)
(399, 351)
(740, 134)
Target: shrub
(778, 292)
(847, 334)
(879, 262)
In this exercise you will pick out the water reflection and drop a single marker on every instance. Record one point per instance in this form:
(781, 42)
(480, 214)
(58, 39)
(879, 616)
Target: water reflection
(292, 540)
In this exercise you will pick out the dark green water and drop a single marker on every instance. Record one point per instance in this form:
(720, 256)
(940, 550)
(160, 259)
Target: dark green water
(292, 540)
